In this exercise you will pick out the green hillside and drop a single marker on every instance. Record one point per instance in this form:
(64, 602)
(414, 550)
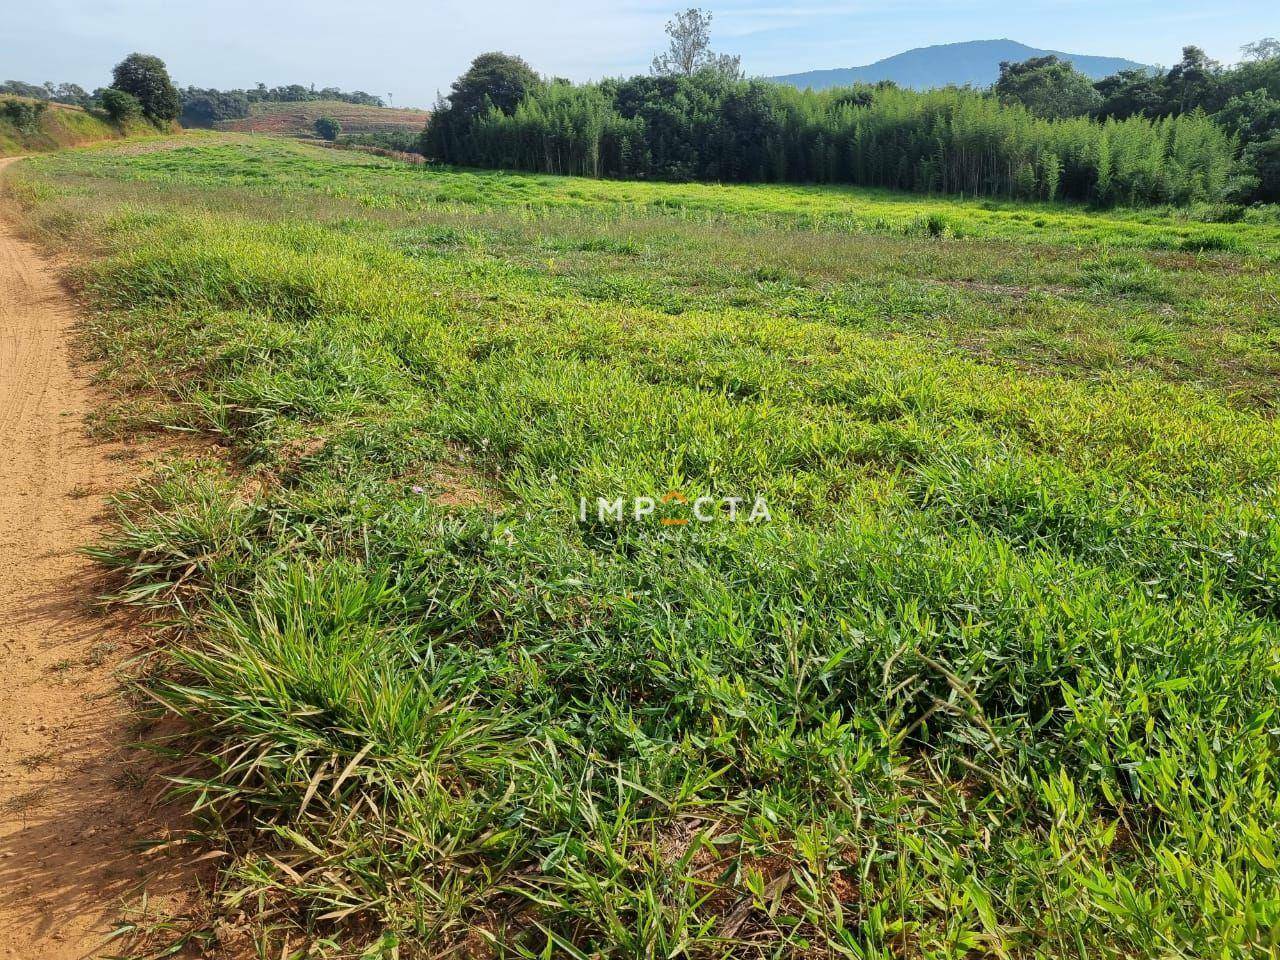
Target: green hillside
(55, 127)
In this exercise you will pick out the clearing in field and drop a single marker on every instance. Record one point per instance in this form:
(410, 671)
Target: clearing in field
(997, 675)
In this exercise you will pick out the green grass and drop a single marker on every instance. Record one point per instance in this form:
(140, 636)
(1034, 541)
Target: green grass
(999, 676)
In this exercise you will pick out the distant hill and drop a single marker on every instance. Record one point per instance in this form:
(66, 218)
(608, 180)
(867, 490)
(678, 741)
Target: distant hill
(976, 63)
(298, 119)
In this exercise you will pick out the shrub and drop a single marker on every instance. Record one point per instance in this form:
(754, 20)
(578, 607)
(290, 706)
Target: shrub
(120, 106)
(933, 225)
(1264, 157)
(402, 141)
(23, 114)
(1208, 243)
(327, 128)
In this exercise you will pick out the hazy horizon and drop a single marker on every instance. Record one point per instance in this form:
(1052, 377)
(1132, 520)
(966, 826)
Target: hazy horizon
(411, 52)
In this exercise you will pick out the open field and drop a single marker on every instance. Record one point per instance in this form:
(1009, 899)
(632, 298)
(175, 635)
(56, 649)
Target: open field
(298, 119)
(998, 674)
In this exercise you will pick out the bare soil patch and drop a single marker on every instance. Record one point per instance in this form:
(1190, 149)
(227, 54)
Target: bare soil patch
(73, 809)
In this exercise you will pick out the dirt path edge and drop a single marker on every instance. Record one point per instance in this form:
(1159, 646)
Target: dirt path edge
(72, 816)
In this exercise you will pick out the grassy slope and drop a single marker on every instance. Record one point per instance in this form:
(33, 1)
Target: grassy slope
(298, 119)
(999, 676)
(60, 127)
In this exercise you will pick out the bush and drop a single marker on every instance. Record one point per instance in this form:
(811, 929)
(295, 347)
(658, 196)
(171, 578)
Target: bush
(1264, 157)
(933, 225)
(120, 106)
(327, 128)
(1208, 243)
(23, 114)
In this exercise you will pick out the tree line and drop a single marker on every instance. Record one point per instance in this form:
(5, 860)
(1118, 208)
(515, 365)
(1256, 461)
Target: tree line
(710, 127)
(71, 94)
(140, 89)
(1044, 132)
(1244, 100)
(197, 107)
(204, 107)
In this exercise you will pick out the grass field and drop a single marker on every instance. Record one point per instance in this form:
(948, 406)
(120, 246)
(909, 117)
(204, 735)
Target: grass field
(298, 119)
(996, 676)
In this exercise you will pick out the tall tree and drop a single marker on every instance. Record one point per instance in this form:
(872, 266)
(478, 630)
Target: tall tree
(1193, 81)
(327, 128)
(1133, 93)
(20, 89)
(1048, 87)
(493, 79)
(147, 79)
(71, 93)
(689, 49)
(1268, 48)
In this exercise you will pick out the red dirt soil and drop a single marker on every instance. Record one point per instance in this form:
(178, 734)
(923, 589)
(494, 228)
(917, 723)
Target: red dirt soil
(71, 815)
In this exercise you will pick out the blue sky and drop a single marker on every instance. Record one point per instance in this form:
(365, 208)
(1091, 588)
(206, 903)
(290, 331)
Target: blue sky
(412, 49)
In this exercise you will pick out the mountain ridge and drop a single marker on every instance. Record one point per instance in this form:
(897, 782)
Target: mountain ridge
(973, 62)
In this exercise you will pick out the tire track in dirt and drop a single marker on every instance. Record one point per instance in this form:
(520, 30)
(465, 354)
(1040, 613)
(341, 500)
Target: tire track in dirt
(70, 817)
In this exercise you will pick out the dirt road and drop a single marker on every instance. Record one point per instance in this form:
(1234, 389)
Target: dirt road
(69, 817)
